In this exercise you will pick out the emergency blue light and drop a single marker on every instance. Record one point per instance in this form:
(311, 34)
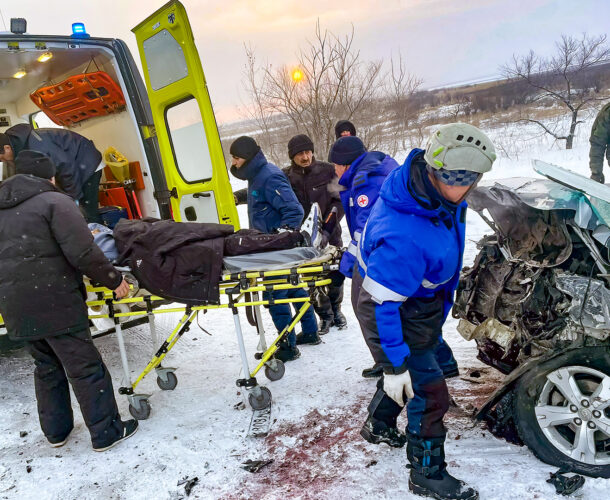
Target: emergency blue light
(78, 31)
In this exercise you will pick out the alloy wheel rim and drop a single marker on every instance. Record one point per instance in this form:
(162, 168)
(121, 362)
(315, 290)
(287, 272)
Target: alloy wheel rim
(573, 412)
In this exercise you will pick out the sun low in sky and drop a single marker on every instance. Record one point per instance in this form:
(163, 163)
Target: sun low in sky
(443, 41)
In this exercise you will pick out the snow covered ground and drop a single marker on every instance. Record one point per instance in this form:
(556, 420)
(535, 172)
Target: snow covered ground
(318, 409)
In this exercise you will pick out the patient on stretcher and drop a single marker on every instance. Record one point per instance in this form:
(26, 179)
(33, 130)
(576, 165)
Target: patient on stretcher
(184, 261)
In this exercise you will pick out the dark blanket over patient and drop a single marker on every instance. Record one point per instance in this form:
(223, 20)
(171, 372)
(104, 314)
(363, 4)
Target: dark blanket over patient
(180, 261)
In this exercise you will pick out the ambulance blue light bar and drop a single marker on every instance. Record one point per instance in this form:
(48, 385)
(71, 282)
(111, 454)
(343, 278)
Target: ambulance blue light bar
(78, 31)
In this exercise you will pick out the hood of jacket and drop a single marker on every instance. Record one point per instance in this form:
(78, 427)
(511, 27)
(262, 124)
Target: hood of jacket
(19, 135)
(20, 188)
(250, 169)
(408, 189)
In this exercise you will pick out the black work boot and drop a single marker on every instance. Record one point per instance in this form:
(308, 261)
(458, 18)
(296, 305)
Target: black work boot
(340, 322)
(375, 371)
(377, 432)
(324, 327)
(429, 476)
(286, 352)
(308, 338)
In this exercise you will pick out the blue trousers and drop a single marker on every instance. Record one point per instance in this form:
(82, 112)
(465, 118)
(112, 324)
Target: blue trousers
(281, 315)
(426, 410)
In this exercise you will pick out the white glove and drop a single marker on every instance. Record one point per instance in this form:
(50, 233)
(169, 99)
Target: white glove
(395, 385)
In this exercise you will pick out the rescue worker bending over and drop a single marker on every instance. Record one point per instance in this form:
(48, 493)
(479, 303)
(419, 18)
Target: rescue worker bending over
(409, 261)
(45, 247)
(76, 159)
(273, 205)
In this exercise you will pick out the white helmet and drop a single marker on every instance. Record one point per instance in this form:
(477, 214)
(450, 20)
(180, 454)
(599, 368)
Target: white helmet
(459, 147)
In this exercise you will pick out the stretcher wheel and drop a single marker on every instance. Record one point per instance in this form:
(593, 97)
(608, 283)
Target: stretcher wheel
(141, 413)
(169, 384)
(277, 373)
(263, 400)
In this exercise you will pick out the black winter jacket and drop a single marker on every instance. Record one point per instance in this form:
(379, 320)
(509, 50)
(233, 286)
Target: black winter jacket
(74, 156)
(45, 247)
(181, 261)
(318, 184)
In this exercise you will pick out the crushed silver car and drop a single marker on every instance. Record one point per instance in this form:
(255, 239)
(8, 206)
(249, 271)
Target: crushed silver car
(537, 303)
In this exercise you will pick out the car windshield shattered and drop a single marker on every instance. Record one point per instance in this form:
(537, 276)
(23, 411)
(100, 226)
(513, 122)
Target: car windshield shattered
(537, 303)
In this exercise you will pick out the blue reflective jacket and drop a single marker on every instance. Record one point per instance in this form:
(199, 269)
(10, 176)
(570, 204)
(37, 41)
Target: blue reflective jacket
(362, 180)
(412, 246)
(271, 201)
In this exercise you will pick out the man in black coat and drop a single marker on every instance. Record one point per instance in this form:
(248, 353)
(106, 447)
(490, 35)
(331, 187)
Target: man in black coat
(45, 247)
(315, 181)
(77, 161)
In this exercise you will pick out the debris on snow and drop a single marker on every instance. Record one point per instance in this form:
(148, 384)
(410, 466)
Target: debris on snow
(188, 483)
(255, 465)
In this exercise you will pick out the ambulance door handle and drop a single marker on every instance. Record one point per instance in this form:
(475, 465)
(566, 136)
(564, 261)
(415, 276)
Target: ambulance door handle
(201, 195)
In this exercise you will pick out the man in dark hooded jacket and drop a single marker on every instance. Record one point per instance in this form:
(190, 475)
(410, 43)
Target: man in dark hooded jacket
(314, 181)
(272, 205)
(77, 161)
(45, 247)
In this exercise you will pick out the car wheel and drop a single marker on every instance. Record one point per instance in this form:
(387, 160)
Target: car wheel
(562, 410)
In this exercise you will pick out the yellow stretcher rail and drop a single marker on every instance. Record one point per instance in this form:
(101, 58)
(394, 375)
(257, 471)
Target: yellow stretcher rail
(240, 289)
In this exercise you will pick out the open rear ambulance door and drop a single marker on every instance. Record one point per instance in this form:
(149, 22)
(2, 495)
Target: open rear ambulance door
(185, 125)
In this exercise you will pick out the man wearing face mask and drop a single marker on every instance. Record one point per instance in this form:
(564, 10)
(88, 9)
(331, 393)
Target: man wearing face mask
(409, 261)
(272, 205)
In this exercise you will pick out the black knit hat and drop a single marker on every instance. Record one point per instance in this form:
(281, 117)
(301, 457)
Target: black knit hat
(244, 147)
(34, 163)
(346, 150)
(299, 143)
(4, 141)
(344, 125)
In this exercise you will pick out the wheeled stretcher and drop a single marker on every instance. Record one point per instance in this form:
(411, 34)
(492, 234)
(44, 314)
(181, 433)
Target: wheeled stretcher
(241, 286)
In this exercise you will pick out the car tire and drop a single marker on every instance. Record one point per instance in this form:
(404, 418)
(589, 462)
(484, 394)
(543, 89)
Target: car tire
(548, 421)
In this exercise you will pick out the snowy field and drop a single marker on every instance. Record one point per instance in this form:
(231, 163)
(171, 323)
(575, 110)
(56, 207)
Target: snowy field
(318, 409)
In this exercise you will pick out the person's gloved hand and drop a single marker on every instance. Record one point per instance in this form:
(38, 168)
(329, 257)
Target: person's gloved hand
(598, 177)
(395, 385)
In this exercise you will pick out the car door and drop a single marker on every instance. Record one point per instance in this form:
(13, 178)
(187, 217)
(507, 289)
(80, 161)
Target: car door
(184, 120)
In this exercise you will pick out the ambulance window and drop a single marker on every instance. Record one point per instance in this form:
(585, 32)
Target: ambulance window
(164, 59)
(189, 141)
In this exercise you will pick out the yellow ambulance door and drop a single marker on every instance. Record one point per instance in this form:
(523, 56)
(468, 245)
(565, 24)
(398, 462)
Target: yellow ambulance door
(184, 120)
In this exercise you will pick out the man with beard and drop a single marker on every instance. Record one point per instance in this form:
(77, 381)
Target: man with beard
(314, 181)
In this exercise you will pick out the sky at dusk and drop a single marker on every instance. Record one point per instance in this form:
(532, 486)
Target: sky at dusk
(443, 41)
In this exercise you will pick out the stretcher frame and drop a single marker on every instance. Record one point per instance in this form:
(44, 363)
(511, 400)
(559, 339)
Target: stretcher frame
(240, 289)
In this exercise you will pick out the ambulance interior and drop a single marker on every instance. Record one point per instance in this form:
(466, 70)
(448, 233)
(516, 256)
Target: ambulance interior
(79, 87)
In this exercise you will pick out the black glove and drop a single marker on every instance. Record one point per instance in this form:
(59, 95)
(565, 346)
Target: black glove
(241, 196)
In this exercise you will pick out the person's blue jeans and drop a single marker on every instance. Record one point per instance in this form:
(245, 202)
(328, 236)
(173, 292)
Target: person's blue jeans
(281, 315)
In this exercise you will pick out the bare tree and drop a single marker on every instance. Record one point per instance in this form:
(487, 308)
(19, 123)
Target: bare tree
(561, 78)
(336, 84)
(399, 88)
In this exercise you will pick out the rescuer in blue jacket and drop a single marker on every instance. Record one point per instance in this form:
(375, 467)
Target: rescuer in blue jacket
(361, 175)
(409, 261)
(272, 205)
